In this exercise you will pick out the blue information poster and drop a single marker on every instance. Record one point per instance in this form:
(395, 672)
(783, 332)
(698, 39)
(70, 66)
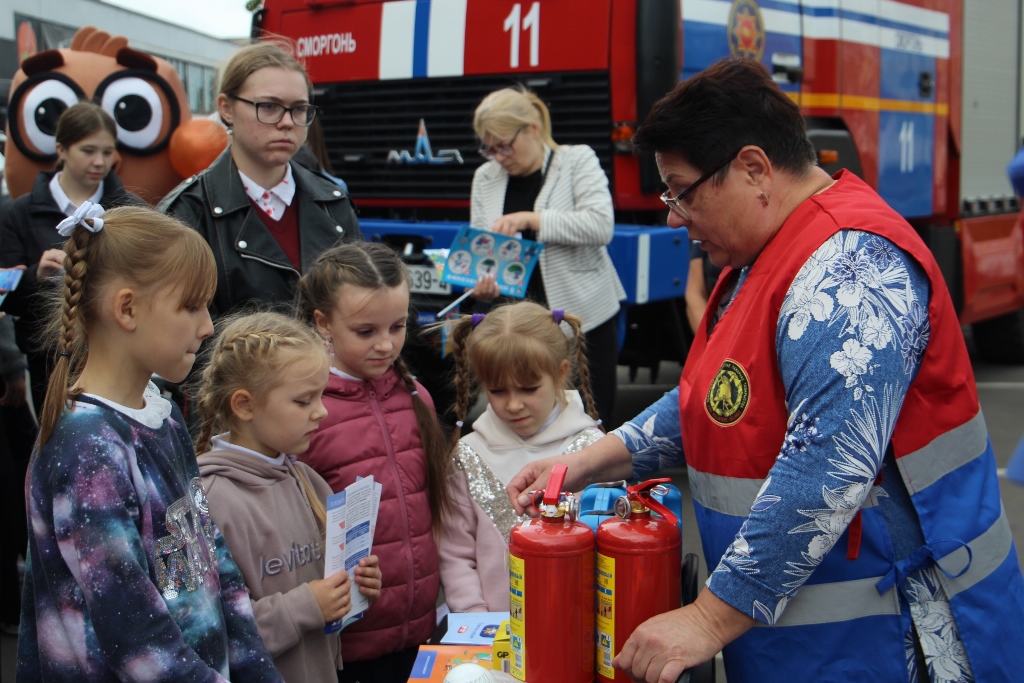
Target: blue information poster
(476, 253)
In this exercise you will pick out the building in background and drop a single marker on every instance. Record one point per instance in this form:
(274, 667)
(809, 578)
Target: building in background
(28, 26)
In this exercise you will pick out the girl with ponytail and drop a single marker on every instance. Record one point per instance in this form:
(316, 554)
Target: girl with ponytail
(381, 422)
(522, 358)
(263, 386)
(126, 577)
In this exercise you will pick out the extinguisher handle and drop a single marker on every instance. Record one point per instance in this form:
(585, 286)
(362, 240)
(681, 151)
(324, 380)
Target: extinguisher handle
(644, 493)
(553, 490)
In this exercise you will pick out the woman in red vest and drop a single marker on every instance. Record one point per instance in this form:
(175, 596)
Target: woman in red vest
(841, 470)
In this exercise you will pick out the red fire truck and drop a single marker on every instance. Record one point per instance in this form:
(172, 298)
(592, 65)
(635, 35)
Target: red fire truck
(921, 98)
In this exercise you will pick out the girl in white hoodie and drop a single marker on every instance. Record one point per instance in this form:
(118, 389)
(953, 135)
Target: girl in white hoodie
(522, 358)
(263, 385)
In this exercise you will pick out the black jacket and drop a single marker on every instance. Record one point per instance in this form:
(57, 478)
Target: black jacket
(251, 266)
(30, 228)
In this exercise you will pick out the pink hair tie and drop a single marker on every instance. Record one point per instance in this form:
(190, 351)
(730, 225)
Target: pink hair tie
(477, 318)
(558, 314)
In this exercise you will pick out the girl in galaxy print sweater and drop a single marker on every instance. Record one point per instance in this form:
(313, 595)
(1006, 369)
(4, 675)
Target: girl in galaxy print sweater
(127, 578)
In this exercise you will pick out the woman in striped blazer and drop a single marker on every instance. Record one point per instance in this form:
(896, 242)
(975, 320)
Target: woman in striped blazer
(557, 195)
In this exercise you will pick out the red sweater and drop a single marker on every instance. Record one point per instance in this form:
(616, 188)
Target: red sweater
(285, 231)
(371, 428)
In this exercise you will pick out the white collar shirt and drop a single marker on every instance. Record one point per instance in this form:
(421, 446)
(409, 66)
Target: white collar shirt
(62, 200)
(274, 201)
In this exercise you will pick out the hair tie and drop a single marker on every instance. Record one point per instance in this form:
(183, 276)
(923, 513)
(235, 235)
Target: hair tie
(64, 354)
(558, 314)
(86, 210)
(416, 393)
(477, 318)
(459, 424)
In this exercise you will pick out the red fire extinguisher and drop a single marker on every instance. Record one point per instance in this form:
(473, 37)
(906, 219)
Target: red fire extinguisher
(551, 586)
(639, 558)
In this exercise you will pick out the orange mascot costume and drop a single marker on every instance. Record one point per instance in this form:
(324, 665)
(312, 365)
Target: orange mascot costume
(158, 141)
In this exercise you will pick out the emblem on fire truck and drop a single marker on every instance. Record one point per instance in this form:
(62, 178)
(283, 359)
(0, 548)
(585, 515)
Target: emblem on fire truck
(746, 30)
(423, 154)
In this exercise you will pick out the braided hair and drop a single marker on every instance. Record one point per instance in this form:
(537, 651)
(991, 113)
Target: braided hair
(374, 266)
(517, 343)
(136, 247)
(254, 352)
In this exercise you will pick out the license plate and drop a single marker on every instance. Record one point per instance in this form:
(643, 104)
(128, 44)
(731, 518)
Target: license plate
(426, 280)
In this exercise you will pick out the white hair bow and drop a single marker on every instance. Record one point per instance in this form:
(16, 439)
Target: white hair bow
(86, 210)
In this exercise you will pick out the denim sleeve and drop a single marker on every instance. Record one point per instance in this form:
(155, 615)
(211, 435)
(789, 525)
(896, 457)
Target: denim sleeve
(852, 331)
(654, 437)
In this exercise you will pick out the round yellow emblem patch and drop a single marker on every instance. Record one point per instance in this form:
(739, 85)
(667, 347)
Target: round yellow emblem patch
(728, 394)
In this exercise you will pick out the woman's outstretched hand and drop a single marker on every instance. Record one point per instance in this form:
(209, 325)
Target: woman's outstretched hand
(532, 477)
(604, 460)
(664, 646)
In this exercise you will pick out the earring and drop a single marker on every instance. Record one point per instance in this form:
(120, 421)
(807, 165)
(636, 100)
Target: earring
(764, 198)
(329, 343)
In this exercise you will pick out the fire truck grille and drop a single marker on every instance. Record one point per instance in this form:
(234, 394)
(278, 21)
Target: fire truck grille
(372, 127)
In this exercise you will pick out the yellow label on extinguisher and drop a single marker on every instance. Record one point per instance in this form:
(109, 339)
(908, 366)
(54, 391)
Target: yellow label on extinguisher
(517, 595)
(605, 615)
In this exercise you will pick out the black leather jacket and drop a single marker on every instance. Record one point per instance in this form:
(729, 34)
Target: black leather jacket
(251, 266)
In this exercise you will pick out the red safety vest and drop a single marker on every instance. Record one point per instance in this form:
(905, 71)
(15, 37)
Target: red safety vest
(734, 418)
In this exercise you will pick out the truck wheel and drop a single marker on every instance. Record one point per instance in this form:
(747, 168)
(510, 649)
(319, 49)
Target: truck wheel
(1001, 340)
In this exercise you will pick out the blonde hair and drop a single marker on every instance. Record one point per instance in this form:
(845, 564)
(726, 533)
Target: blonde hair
(253, 352)
(375, 266)
(518, 343)
(138, 245)
(504, 111)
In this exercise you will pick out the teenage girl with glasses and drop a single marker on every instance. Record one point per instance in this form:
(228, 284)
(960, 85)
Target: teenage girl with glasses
(265, 217)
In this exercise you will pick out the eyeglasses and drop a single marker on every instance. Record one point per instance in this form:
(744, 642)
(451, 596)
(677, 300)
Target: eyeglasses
(503, 148)
(272, 112)
(676, 203)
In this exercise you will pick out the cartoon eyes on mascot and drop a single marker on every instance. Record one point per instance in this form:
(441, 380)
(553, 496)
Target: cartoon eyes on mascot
(158, 141)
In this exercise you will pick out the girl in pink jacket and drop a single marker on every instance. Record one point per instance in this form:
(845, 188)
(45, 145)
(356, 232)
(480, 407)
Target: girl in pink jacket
(263, 385)
(522, 358)
(379, 422)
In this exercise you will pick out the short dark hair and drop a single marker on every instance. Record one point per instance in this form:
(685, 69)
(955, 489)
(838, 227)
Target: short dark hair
(720, 110)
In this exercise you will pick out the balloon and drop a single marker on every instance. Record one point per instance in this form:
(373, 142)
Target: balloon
(196, 144)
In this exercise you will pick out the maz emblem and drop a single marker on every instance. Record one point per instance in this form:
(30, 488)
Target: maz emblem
(423, 154)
